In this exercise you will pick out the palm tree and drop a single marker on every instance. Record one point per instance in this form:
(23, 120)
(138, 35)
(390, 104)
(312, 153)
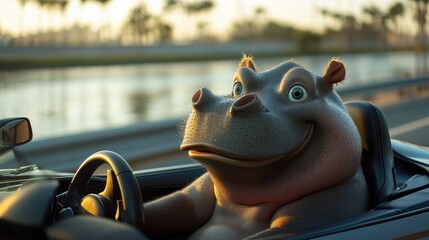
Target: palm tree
(51, 7)
(260, 15)
(162, 31)
(197, 8)
(47, 6)
(395, 11)
(62, 6)
(421, 9)
(103, 5)
(22, 4)
(138, 23)
(171, 5)
(376, 16)
(346, 21)
(348, 25)
(378, 23)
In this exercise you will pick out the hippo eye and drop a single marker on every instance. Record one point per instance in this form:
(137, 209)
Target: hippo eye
(238, 89)
(297, 93)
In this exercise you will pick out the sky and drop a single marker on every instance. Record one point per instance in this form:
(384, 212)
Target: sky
(302, 13)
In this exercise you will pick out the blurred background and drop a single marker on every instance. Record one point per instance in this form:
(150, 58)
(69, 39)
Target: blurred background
(76, 66)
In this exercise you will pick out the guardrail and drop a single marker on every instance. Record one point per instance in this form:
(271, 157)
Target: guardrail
(146, 145)
(400, 85)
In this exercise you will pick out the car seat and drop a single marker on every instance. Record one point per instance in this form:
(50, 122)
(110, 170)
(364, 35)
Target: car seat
(377, 154)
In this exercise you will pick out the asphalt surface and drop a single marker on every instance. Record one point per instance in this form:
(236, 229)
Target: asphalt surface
(409, 120)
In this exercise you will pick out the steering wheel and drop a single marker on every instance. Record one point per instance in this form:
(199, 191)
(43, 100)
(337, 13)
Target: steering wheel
(121, 198)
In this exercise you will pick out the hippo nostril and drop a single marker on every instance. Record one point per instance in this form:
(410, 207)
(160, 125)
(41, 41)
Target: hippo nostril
(247, 104)
(243, 101)
(196, 97)
(202, 98)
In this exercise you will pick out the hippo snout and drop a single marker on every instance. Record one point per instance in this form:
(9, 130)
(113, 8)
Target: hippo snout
(246, 104)
(241, 127)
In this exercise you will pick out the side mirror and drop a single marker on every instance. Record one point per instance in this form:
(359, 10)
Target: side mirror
(14, 132)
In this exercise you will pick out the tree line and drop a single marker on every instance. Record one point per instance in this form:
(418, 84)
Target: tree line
(141, 26)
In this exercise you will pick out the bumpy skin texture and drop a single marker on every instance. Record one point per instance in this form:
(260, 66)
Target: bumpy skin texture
(281, 152)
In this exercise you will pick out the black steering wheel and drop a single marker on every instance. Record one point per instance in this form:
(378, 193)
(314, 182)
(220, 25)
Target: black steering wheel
(121, 198)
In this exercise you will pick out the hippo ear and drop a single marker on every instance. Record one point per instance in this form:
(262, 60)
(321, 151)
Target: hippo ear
(247, 61)
(335, 72)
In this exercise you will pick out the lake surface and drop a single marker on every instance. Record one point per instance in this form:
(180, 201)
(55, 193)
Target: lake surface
(76, 99)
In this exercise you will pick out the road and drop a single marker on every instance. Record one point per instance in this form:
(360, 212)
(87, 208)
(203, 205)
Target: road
(409, 120)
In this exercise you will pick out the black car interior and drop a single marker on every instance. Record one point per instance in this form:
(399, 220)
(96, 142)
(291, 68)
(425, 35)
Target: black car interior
(377, 154)
(397, 180)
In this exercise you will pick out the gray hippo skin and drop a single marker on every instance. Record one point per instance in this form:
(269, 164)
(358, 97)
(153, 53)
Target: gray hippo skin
(281, 152)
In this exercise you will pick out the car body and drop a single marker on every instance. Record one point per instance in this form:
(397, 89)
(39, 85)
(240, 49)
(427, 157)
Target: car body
(397, 173)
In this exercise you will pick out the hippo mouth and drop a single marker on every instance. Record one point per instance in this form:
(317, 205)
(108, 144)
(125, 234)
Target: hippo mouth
(209, 152)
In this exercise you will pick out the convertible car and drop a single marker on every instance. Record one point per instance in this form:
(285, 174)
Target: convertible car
(42, 204)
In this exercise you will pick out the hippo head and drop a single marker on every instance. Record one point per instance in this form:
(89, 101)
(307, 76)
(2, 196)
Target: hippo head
(282, 133)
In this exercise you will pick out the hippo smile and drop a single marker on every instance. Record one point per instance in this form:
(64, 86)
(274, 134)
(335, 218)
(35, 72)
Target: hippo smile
(210, 152)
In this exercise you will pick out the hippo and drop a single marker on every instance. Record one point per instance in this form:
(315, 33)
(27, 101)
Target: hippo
(281, 152)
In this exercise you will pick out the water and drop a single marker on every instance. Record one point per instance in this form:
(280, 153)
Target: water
(77, 99)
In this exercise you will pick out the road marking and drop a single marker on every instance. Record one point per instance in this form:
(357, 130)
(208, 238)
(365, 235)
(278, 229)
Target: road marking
(398, 130)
